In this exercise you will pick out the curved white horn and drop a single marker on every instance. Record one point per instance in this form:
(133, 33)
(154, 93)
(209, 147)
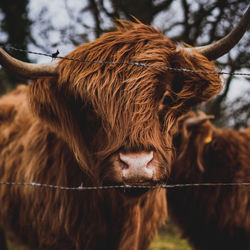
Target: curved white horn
(194, 121)
(224, 45)
(27, 70)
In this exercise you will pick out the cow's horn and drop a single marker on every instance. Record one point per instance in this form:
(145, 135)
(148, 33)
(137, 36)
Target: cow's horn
(27, 70)
(224, 45)
(194, 121)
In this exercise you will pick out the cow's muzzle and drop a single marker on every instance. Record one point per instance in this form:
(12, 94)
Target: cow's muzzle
(137, 168)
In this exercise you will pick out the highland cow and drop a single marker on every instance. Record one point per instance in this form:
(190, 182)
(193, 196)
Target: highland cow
(94, 124)
(212, 217)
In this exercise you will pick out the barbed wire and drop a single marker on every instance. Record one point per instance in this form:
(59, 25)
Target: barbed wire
(81, 187)
(137, 64)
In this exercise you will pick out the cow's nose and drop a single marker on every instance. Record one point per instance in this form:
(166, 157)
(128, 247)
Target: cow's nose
(137, 167)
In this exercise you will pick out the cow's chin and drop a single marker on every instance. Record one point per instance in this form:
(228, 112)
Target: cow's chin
(138, 189)
(134, 189)
(133, 192)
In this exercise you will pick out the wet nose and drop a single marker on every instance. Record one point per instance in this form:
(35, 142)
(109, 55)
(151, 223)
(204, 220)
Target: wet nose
(137, 166)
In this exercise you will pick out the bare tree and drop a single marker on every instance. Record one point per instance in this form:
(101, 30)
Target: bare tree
(14, 30)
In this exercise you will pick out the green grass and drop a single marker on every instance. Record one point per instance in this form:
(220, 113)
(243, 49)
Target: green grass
(169, 238)
(12, 245)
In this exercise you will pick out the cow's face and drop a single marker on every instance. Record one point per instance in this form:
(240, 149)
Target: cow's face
(118, 118)
(128, 134)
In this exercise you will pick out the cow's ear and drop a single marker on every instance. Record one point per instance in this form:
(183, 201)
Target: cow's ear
(193, 81)
(53, 104)
(201, 135)
(55, 107)
(46, 100)
(204, 129)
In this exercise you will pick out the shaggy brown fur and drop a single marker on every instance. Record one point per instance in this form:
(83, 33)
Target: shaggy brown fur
(67, 131)
(212, 217)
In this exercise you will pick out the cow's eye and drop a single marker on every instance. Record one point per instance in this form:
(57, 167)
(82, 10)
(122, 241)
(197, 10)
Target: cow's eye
(177, 84)
(176, 87)
(168, 101)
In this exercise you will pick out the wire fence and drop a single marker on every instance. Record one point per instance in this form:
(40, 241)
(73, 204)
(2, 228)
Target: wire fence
(136, 64)
(81, 187)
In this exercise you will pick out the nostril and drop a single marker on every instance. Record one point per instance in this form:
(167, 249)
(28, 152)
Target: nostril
(150, 164)
(123, 164)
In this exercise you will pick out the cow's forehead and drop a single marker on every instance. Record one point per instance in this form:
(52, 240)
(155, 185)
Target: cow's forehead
(125, 99)
(110, 58)
(121, 88)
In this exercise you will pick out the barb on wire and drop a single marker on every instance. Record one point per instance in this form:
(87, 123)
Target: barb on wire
(138, 64)
(81, 187)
